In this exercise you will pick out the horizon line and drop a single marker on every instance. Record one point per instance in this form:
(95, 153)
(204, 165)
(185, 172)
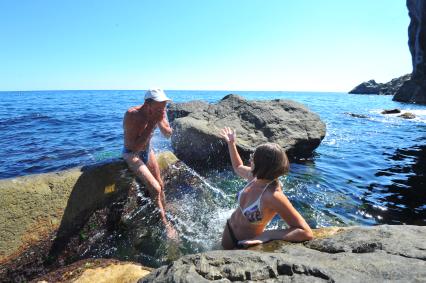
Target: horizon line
(230, 90)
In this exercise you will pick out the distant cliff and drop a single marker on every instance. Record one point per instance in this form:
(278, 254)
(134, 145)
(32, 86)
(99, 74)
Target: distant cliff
(414, 90)
(389, 88)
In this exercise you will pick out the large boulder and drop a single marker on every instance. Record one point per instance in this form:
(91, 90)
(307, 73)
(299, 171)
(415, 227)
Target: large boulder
(414, 90)
(196, 138)
(49, 220)
(389, 88)
(355, 254)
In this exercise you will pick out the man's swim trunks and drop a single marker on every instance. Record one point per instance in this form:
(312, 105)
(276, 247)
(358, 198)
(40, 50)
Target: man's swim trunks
(143, 155)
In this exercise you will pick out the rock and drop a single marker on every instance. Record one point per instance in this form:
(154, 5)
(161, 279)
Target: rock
(179, 110)
(97, 270)
(355, 254)
(407, 115)
(196, 138)
(414, 90)
(40, 213)
(389, 88)
(357, 115)
(391, 111)
(135, 222)
(370, 87)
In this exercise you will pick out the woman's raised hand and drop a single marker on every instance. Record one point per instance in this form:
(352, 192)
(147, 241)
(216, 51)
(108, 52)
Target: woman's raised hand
(229, 134)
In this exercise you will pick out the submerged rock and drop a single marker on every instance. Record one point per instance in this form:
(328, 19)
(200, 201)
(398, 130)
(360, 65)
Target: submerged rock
(391, 111)
(354, 254)
(196, 138)
(407, 115)
(414, 90)
(389, 88)
(362, 116)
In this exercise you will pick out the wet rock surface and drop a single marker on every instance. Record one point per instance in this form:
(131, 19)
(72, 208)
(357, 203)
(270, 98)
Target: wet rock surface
(197, 124)
(52, 220)
(353, 254)
(389, 88)
(39, 211)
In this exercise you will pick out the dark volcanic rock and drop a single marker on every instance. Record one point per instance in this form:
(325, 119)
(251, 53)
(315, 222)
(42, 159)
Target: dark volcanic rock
(196, 138)
(357, 254)
(414, 90)
(389, 88)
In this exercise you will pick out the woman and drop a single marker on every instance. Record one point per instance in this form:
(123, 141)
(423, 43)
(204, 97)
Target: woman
(261, 199)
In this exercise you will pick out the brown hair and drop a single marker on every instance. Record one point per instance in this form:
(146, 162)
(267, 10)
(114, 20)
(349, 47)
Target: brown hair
(270, 161)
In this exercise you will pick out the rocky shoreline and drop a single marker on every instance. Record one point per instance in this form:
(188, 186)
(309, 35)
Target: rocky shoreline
(389, 88)
(352, 254)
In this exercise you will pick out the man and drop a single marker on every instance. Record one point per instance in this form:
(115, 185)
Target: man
(139, 124)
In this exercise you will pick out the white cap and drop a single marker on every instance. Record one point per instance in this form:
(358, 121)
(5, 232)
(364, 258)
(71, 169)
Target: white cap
(156, 94)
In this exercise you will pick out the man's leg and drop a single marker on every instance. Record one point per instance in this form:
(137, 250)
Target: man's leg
(145, 175)
(155, 171)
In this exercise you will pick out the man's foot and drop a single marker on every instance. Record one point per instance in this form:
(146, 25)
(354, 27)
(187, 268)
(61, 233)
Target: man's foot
(171, 232)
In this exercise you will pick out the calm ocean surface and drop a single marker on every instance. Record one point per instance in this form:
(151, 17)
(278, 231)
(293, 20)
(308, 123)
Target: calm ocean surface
(366, 171)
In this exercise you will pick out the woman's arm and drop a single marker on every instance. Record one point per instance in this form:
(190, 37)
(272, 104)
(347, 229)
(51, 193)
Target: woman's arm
(237, 164)
(298, 230)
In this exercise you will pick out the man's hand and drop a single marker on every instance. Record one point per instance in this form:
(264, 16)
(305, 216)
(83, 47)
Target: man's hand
(164, 116)
(229, 134)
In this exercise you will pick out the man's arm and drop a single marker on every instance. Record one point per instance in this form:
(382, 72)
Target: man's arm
(164, 126)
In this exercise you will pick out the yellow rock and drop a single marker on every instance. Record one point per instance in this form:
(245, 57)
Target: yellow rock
(165, 159)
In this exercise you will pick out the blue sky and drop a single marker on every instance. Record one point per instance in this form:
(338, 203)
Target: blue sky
(303, 45)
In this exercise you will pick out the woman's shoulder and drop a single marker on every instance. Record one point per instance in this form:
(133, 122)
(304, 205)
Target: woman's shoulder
(274, 190)
(275, 198)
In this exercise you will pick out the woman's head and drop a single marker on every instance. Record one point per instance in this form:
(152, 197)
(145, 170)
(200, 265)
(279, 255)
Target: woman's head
(269, 161)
